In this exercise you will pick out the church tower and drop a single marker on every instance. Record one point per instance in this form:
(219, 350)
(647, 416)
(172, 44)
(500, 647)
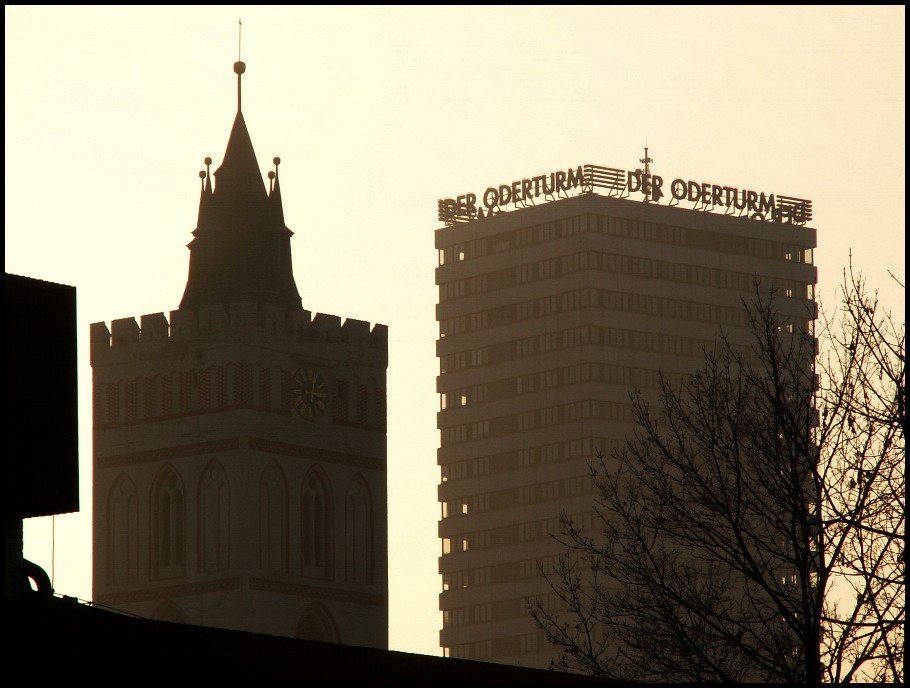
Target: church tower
(240, 445)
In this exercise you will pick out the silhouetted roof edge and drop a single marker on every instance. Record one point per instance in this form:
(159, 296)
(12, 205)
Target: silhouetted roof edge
(66, 639)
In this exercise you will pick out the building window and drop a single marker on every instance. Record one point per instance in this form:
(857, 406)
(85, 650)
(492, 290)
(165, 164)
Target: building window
(169, 525)
(265, 387)
(315, 526)
(204, 389)
(524, 273)
(221, 387)
(531, 642)
(113, 402)
(548, 342)
(273, 520)
(214, 534)
(479, 321)
(131, 399)
(341, 401)
(123, 533)
(358, 535)
(380, 407)
(363, 397)
(184, 390)
(316, 623)
(243, 384)
(97, 404)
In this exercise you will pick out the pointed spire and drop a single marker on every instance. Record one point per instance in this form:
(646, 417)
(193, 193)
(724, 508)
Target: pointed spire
(243, 250)
(239, 176)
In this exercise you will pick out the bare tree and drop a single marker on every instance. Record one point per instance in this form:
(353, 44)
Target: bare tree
(753, 527)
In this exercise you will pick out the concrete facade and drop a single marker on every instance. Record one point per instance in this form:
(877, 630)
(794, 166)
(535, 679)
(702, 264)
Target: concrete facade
(549, 316)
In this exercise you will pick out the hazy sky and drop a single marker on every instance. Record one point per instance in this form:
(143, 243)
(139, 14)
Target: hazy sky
(378, 112)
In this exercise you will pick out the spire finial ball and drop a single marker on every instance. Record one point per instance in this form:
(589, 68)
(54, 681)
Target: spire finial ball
(208, 161)
(271, 174)
(202, 174)
(239, 67)
(277, 160)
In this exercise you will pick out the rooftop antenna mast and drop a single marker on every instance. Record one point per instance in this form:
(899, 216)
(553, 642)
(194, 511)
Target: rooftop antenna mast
(646, 175)
(647, 161)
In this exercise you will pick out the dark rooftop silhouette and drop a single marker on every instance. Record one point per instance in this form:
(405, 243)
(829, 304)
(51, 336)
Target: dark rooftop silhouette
(54, 637)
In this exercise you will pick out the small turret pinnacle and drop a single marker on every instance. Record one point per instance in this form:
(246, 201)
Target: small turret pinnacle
(205, 180)
(275, 194)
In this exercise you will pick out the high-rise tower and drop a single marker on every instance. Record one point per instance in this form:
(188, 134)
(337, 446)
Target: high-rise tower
(240, 446)
(558, 295)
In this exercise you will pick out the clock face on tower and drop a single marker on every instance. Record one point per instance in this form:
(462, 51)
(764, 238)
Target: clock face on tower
(310, 393)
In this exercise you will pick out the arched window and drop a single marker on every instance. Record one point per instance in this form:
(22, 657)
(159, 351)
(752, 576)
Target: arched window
(273, 519)
(358, 532)
(123, 532)
(168, 525)
(214, 522)
(316, 623)
(316, 525)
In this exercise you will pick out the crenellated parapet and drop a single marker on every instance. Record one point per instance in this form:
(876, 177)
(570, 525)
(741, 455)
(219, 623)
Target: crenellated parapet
(241, 321)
